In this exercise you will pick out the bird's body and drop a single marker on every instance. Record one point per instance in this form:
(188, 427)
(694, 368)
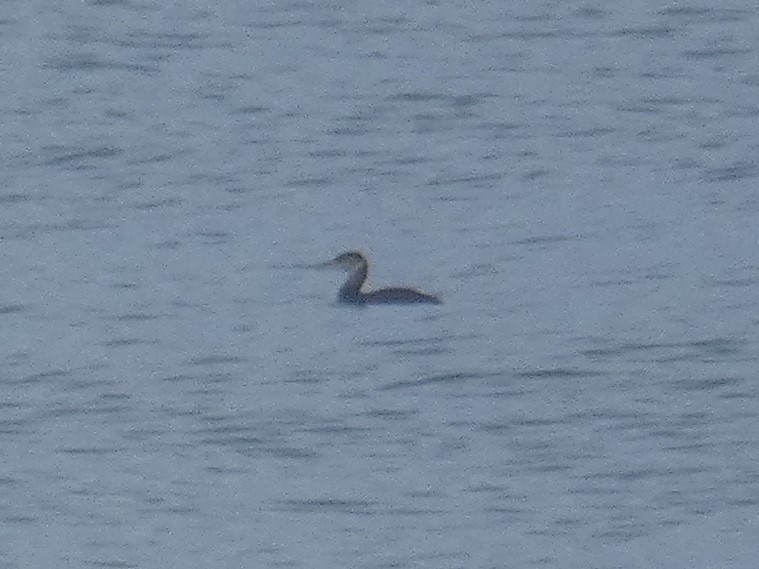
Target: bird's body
(358, 267)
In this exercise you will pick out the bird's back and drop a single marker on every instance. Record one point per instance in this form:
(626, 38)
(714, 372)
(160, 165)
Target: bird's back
(400, 295)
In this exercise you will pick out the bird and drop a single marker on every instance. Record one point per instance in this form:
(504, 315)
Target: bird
(357, 267)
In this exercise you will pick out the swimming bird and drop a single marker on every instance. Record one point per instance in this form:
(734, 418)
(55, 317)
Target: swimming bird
(357, 266)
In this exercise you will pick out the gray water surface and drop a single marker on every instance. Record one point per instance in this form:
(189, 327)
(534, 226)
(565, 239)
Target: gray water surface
(578, 182)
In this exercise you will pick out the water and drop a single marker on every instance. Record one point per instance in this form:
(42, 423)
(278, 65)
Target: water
(578, 182)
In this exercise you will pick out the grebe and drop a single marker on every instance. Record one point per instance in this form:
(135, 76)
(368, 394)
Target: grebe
(358, 267)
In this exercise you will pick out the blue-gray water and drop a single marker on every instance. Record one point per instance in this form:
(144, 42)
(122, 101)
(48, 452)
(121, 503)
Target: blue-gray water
(578, 181)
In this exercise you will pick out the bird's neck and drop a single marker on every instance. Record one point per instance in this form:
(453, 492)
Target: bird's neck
(352, 287)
